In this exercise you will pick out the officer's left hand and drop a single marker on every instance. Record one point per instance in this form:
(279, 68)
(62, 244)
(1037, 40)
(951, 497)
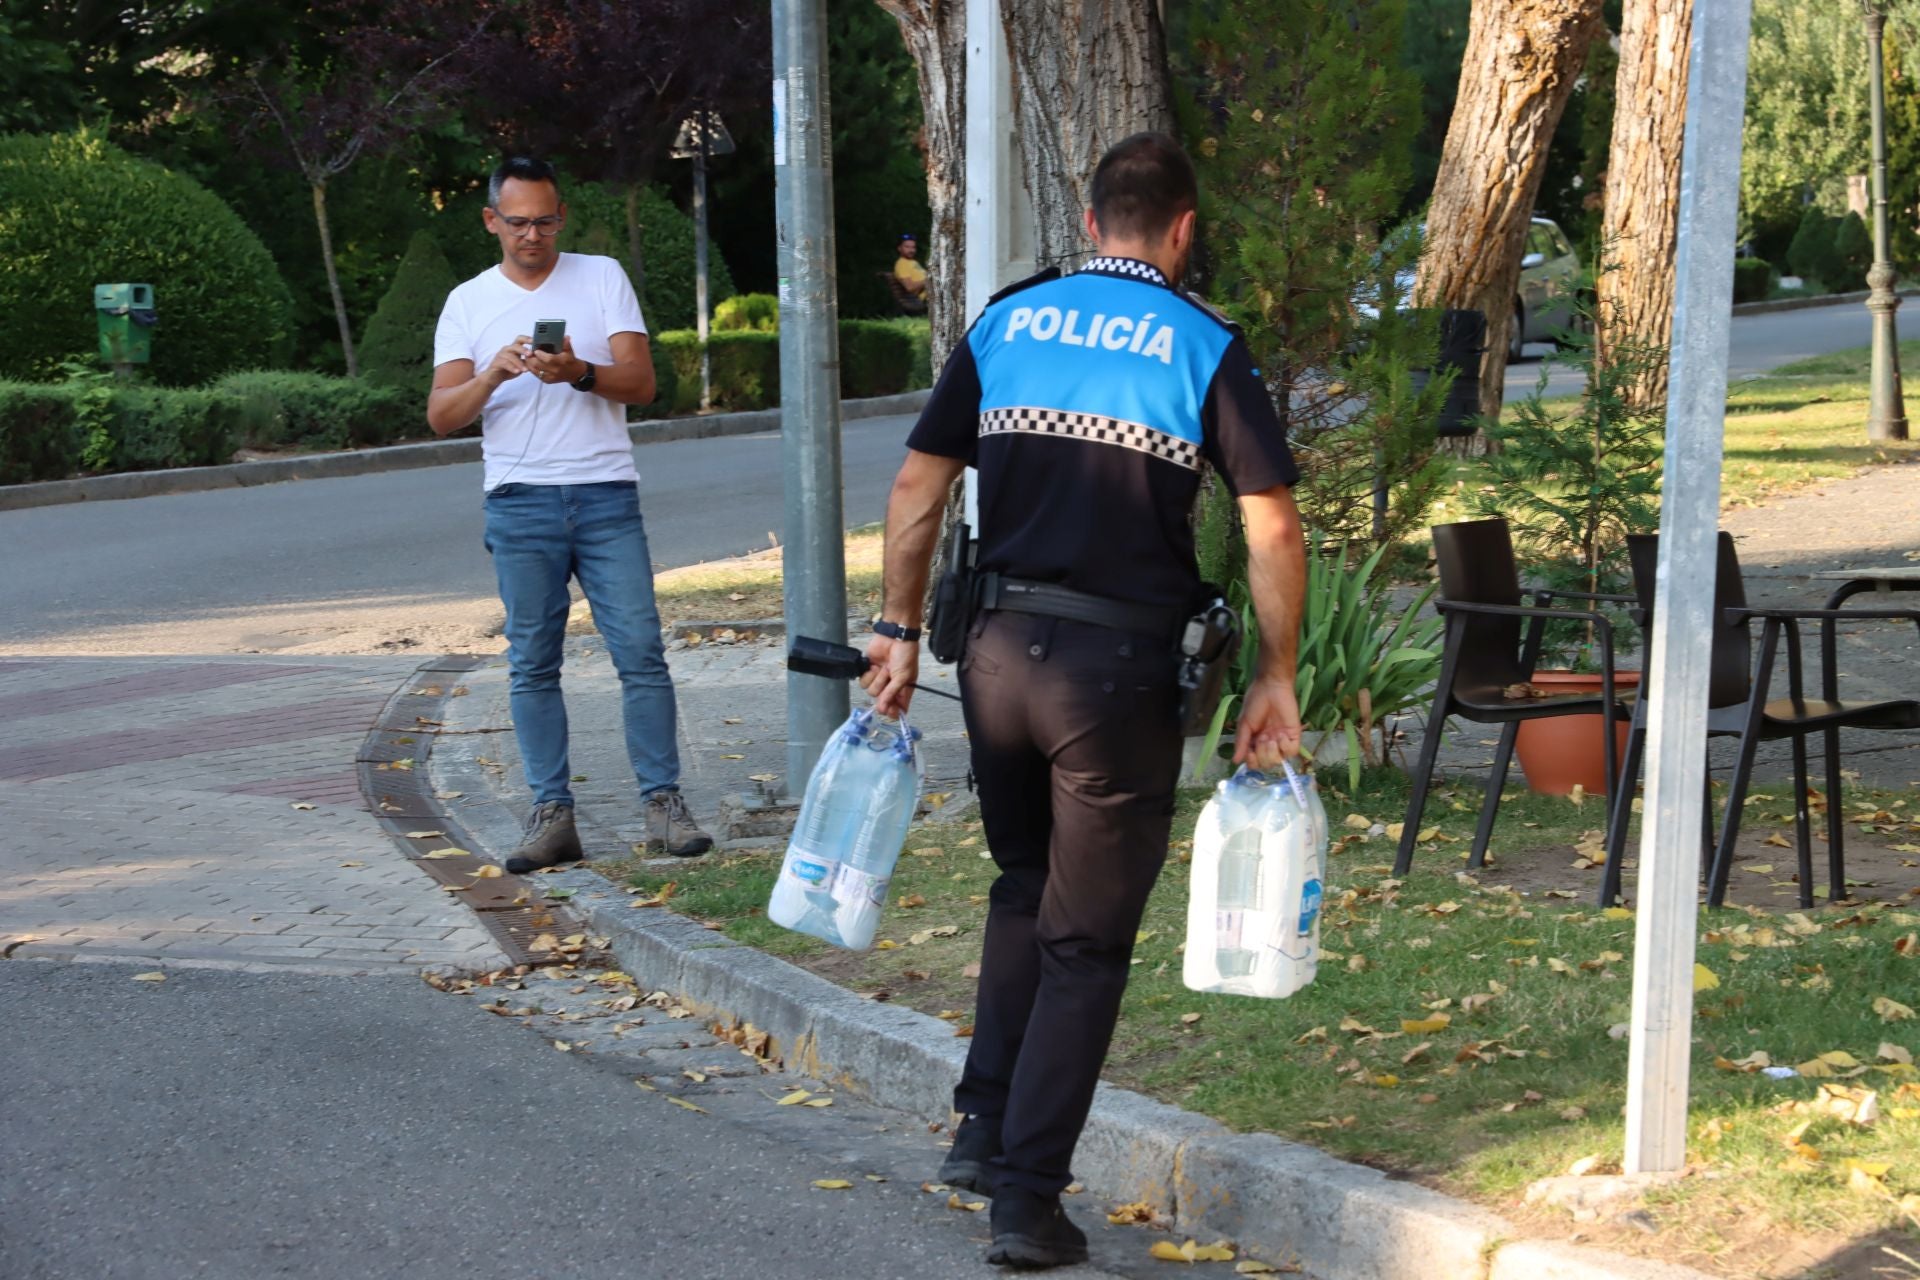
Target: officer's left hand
(557, 366)
(893, 668)
(1268, 729)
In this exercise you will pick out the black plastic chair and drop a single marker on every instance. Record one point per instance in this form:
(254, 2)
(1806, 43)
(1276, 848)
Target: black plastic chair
(1487, 652)
(1738, 706)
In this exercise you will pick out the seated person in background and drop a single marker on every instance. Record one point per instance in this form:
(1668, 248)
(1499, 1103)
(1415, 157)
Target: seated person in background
(912, 276)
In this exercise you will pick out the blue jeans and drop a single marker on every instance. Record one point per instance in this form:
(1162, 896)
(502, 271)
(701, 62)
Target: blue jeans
(540, 536)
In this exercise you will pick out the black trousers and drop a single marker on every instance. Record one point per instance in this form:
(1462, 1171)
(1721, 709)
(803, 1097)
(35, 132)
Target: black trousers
(1076, 751)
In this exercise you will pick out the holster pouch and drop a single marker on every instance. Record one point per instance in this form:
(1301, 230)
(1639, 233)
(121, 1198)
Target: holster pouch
(953, 598)
(1208, 645)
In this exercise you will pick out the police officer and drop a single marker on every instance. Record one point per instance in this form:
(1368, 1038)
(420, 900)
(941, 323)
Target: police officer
(1089, 403)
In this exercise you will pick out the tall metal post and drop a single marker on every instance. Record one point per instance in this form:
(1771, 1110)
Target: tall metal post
(700, 262)
(1887, 408)
(1678, 658)
(816, 567)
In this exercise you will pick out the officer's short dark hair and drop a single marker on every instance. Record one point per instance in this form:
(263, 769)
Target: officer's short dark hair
(1142, 184)
(524, 168)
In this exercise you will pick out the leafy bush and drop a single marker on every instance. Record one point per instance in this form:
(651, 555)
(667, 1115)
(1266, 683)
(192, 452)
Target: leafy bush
(317, 411)
(745, 371)
(397, 348)
(1752, 278)
(76, 211)
(1811, 254)
(49, 431)
(759, 312)
(1852, 253)
(666, 385)
(597, 223)
(876, 358)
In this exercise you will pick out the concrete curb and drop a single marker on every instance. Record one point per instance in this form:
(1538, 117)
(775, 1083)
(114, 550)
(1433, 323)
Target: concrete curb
(1802, 304)
(399, 457)
(1279, 1199)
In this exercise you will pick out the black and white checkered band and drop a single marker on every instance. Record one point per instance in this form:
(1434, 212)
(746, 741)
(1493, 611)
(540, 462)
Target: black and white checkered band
(1133, 267)
(1093, 427)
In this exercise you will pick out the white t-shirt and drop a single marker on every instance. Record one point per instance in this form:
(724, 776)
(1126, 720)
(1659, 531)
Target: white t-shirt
(535, 432)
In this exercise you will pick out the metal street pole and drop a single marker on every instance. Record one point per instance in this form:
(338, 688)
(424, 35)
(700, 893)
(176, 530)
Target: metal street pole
(1661, 1026)
(1887, 409)
(700, 261)
(815, 557)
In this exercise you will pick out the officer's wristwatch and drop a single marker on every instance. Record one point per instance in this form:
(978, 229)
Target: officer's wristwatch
(894, 631)
(585, 381)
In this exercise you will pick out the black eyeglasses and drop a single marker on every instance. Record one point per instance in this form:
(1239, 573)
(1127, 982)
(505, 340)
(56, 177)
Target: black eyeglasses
(547, 226)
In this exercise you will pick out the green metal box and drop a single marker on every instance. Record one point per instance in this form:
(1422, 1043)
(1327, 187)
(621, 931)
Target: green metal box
(126, 318)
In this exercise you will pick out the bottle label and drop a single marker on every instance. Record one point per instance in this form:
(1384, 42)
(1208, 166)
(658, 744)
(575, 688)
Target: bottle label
(812, 872)
(1226, 929)
(1310, 896)
(851, 885)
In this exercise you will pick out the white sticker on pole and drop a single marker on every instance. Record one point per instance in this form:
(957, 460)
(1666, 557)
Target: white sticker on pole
(779, 120)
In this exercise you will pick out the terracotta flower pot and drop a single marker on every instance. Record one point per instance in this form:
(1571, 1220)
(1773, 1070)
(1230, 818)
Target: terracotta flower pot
(1561, 752)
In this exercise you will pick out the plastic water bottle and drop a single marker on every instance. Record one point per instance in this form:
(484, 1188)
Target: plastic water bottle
(853, 820)
(1253, 921)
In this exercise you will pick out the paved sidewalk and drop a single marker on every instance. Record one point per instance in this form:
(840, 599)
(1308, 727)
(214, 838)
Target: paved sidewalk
(733, 739)
(150, 812)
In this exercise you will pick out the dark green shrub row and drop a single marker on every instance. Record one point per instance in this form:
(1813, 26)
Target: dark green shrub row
(1834, 251)
(1752, 278)
(315, 411)
(49, 431)
(877, 358)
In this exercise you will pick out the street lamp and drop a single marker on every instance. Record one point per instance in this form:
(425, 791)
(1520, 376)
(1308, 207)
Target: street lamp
(1887, 411)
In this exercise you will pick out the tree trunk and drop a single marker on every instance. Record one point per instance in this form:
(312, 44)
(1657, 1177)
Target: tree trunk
(1522, 59)
(935, 33)
(1641, 227)
(634, 255)
(1086, 73)
(333, 277)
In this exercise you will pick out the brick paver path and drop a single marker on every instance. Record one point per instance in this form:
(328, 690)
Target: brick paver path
(147, 811)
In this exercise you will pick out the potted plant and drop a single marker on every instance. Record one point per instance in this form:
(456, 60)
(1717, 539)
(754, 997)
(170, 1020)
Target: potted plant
(1361, 661)
(1572, 477)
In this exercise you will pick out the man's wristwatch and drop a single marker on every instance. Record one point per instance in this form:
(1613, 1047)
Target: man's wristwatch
(894, 631)
(585, 381)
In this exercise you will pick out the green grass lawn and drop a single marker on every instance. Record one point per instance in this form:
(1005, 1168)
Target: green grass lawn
(1800, 425)
(1512, 1069)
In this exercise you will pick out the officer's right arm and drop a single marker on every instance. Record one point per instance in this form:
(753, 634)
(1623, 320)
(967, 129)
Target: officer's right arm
(1269, 725)
(914, 509)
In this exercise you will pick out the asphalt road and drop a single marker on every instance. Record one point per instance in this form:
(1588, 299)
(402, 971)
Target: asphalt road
(236, 1127)
(394, 562)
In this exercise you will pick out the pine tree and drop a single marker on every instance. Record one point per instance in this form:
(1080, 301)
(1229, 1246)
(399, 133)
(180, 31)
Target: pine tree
(397, 348)
(1304, 153)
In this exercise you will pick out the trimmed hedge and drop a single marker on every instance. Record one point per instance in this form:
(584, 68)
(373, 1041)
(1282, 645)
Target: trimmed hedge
(317, 411)
(1752, 278)
(49, 431)
(597, 223)
(76, 211)
(877, 358)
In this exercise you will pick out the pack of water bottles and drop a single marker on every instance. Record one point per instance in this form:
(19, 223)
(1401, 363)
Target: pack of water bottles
(1253, 918)
(853, 820)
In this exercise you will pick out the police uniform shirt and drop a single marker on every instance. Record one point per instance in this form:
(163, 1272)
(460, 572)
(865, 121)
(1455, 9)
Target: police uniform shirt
(1088, 403)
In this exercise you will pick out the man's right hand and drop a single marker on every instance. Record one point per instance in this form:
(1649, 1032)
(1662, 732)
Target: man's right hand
(509, 362)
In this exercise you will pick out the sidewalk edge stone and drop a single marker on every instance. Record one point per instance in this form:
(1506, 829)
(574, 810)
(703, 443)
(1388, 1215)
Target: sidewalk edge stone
(1767, 306)
(398, 457)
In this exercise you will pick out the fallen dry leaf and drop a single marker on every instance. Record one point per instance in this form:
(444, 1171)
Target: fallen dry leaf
(1134, 1214)
(426, 835)
(965, 1206)
(303, 807)
(447, 853)
(833, 1184)
(155, 976)
(1891, 1010)
(488, 872)
(795, 1098)
(682, 1102)
(1704, 979)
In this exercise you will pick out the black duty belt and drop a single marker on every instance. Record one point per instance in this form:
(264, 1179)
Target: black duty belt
(1018, 595)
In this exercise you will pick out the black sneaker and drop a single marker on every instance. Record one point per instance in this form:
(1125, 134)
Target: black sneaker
(970, 1163)
(1032, 1231)
(550, 839)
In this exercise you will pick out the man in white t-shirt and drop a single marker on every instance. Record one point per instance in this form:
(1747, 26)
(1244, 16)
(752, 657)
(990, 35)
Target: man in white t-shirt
(562, 496)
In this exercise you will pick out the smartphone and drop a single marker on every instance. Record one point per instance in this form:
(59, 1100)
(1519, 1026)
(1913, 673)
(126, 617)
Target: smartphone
(548, 335)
